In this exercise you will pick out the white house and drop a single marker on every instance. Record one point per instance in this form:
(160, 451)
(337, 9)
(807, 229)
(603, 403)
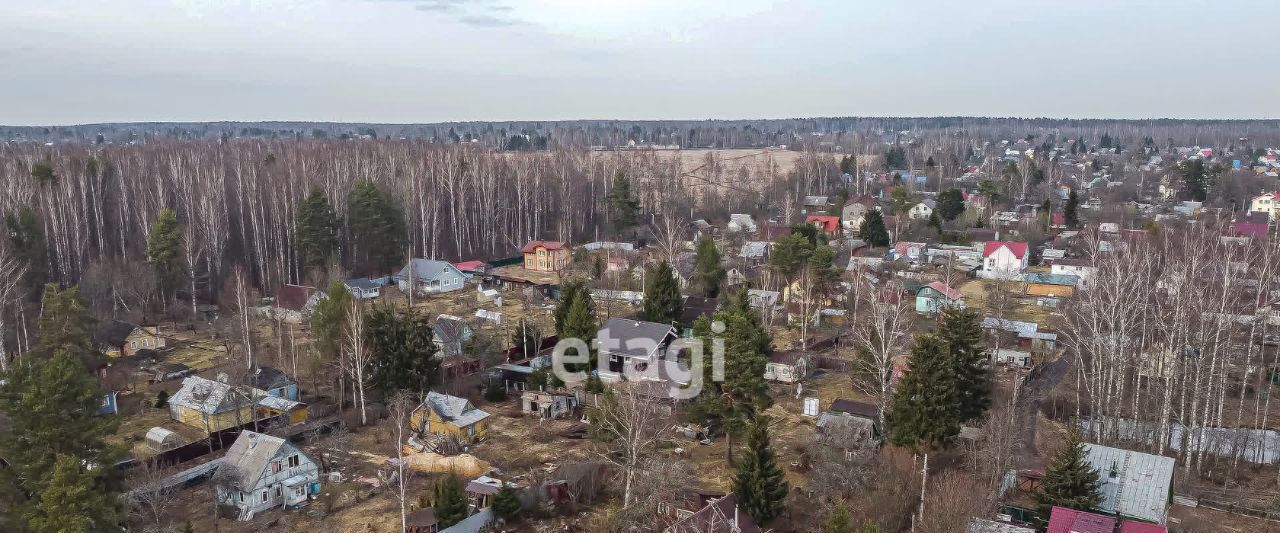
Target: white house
(261, 472)
(1267, 202)
(429, 276)
(741, 222)
(1080, 268)
(1006, 260)
(363, 288)
(922, 210)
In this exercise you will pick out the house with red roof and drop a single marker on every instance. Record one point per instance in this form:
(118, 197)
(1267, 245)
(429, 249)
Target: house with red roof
(937, 296)
(1064, 520)
(1004, 259)
(546, 256)
(826, 224)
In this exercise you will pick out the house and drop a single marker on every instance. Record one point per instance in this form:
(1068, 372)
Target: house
(853, 213)
(1011, 357)
(923, 209)
(829, 225)
(816, 203)
(363, 288)
(721, 515)
(548, 404)
(422, 521)
(764, 301)
(1002, 259)
(126, 340)
(272, 381)
(754, 252)
(428, 276)
(209, 405)
(260, 472)
(787, 367)
(1080, 268)
(472, 267)
(1252, 225)
(451, 334)
(695, 307)
(739, 222)
(936, 296)
(848, 425)
(627, 343)
(294, 303)
(1053, 285)
(911, 252)
(442, 414)
(1134, 484)
(546, 256)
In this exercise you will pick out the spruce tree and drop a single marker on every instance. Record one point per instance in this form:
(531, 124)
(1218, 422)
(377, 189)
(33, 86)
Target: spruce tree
(164, 252)
(872, 229)
(404, 351)
(1069, 481)
(580, 323)
(962, 332)
(1070, 216)
(506, 503)
(570, 292)
(73, 500)
(759, 486)
(317, 231)
(708, 268)
(26, 237)
(624, 209)
(662, 301)
(329, 320)
(924, 413)
(449, 502)
(950, 204)
(839, 520)
(377, 227)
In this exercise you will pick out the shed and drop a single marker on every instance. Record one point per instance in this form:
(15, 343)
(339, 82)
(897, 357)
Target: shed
(1011, 357)
(161, 439)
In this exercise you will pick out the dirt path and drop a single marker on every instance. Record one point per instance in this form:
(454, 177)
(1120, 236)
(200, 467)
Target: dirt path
(1035, 386)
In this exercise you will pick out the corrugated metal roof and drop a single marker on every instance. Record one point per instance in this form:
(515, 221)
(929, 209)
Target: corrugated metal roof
(1134, 484)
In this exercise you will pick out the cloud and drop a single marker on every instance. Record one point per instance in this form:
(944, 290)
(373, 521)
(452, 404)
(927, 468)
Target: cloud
(487, 21)
(477, 13)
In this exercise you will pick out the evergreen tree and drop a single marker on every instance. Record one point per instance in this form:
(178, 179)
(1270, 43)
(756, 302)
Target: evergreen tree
(449, 502)
(27, 239)
(570, 292)
(624, 208)
(790, 254)
(162, 400)
(935, 222)
(950, 204)
(1070, 216)
(329, 320)
(1196, 180)
(66, 326)
(494, 391)
(759, 486)
(924, 413)
(962, 331)
(164, 252)
(317, 230)
(1069, 481)
(872, 229)
(506, 503)
(377, 229)
(809, 232)
(839, 521)
(74, 500)
(404, 351)
(895, 157)
(662, 301)
(708, 268)
(580, 323)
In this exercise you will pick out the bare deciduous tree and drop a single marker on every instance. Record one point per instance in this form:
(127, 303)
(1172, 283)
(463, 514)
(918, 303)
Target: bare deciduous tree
(630, 426)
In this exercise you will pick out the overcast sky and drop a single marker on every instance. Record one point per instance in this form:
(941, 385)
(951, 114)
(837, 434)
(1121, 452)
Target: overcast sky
(82, 61)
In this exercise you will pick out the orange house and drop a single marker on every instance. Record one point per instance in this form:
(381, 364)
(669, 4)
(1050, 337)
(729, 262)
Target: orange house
(546, 256)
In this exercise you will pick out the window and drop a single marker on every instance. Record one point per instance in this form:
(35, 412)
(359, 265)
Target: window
(146, 343)
(278, 494)
(294, 461)
(275, 467)
(264, 496)
(241, 497)
(133, 344)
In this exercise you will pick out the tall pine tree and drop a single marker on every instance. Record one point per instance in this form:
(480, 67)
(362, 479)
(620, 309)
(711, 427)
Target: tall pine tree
(962, 332)
(708, 268)
(329, 320)
(925, 410)
(377, 229)
(580, 323)
(317, 231)
(1069, 481)
(759, 486)
(662, 301)
(570, 291)
(164, 252)
(950, 204)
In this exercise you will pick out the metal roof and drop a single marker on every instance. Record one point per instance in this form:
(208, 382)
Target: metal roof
(454, 410)
(1134, 484)
(248, 458)
(207, 396)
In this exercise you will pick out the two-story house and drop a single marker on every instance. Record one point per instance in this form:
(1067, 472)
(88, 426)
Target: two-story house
(428, 276)
(1004, 260)
(126, 340)
(546, 256)
(261, 472)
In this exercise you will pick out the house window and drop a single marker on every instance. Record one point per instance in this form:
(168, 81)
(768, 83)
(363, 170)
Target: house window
(241, 497)
(264, 496)
(146, 343)
(471, 431)
(275, 467)
(278, 492)
(133, 344)
(294, 461)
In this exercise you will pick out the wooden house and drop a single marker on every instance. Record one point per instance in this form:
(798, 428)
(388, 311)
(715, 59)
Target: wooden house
(547, 404)
(261, 472)
(126, 340)
(546, 256)
(209, 405)
(937, 296)
(452, 416)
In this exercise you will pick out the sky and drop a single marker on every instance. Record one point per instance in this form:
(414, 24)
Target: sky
(413, 61)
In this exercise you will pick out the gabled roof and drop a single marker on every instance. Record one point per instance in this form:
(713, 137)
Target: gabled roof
(721, 514)
(696, 306)
(454, 410)
(470, 266)
(1134, 484)
(293, 297)
(363, 284)
(207, 396)
(550, 245)
(267, 378)
(626, 332)
(428, 269)
(248, 458)
(1019, 249)
(113, 333)
(854, 408)
(942, 288)
(829, 223)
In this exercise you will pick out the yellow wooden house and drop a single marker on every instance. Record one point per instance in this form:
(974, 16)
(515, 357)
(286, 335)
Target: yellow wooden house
(210, 406)
(451, 416)
(127, 340)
